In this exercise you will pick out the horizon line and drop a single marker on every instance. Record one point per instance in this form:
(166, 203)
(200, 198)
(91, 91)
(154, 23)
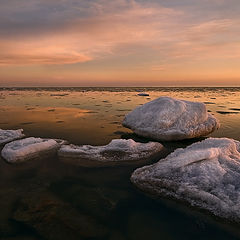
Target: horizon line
(215, 86)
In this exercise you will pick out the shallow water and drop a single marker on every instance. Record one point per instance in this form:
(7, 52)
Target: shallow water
(46, 199)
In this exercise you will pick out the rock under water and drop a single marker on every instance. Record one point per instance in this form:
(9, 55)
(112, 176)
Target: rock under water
(205, 174)
(54, 219)
(169, 119)
(117, 152)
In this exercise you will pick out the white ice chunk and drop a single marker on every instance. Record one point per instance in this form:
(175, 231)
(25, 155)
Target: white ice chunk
(205, 174)
(117, 152)
(168, 119)
(28, 148)
(10, 135)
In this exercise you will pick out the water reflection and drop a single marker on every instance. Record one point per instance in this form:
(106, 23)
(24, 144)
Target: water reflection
(91, 113)
(80, 126)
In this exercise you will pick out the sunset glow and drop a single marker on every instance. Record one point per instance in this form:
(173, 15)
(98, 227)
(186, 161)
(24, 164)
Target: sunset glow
(120, 43)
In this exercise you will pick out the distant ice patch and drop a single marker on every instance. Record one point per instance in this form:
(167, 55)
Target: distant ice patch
(28, 148)
(169, 119)
(10, 135)
(59, 94)
(143, 94)
(117, 152)
(205, 174)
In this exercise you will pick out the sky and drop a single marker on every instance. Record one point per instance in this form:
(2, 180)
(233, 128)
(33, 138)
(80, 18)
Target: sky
(119, 43)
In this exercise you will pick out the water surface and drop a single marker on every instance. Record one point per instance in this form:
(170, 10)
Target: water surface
(46, 199)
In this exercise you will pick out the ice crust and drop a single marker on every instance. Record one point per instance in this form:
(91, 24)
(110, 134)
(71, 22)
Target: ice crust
(28, 148)
(168, 119)
(117, 152)
(10, 135)
(205, 174)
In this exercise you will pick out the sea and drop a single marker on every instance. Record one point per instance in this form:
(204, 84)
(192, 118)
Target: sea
(48, 199)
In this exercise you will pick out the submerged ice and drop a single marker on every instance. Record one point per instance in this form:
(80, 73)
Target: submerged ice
(117, 152)
(168, 119)
(205, 174)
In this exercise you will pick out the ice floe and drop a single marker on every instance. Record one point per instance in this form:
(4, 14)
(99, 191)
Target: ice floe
(143, 94)
(227, 112)
(169, 119)
(29, 148)
(10, 135)
(59, 94)
(205, 174)
(117, 152)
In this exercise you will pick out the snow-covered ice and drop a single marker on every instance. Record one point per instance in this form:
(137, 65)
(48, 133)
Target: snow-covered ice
(205, 174)
(169, 119)
(117, 152)
(10, 135)
(28, 148)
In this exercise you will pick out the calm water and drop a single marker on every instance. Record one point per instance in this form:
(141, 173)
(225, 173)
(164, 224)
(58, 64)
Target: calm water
(46, 199)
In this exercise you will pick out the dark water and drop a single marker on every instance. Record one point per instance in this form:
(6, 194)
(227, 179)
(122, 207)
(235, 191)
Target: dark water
(46, 199)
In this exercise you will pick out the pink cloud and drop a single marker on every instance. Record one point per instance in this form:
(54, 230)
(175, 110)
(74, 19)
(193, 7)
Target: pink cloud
(86, 39)
(115, 27)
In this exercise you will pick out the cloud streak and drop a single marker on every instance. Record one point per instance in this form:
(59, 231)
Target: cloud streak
(29, 59)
